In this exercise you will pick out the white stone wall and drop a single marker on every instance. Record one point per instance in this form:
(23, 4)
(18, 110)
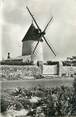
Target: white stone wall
(50, 69)
(68, 70)
(15, 72)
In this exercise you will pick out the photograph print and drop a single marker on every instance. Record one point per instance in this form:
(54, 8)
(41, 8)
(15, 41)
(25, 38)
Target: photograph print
(38, 58)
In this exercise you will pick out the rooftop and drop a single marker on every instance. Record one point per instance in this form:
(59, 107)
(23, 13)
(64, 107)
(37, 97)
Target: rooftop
(32, 34)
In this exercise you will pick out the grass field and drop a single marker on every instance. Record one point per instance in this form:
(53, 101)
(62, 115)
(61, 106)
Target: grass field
(50, 83)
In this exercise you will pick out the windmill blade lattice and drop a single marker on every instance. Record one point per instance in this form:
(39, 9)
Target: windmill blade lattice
(49, 46)
(35, 47)
(42, 33)
(48, 24)
(33, 19)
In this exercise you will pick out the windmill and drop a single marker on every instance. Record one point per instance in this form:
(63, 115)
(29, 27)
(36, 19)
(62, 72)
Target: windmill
(40, 38)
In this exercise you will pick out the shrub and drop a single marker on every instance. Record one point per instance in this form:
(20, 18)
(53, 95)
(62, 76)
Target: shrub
(74, 86)
(4, 104)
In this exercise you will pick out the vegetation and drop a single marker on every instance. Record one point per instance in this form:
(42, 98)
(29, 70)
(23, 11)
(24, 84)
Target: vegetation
(15, 62)
(59, 101)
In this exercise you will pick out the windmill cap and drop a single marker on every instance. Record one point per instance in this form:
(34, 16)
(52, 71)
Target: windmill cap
(32, 34)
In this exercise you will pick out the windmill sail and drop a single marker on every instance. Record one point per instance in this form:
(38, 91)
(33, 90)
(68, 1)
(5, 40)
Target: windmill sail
(42, 33)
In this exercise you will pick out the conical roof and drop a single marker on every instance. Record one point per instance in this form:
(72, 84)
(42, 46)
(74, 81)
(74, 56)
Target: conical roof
(32, 34)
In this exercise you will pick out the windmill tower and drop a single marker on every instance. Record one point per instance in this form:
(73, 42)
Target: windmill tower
(29, 42)
(33, 41)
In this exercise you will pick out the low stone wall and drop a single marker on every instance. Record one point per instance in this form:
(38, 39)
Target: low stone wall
(50, 69)
(14, 72)
(68, 70)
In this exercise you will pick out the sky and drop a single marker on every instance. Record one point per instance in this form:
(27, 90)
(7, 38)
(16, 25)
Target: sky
(61, 33)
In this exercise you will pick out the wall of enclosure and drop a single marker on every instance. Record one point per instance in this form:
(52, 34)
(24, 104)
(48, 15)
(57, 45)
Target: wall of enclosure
(14, 72)
(50, 69)
(68, 71)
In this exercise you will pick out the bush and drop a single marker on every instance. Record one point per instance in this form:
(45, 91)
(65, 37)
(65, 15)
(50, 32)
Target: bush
(38, 76)
(74, 85)
(59, 101)
(4, 104)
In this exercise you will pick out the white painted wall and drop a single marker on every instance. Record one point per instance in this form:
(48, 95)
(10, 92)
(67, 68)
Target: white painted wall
(50, 69)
